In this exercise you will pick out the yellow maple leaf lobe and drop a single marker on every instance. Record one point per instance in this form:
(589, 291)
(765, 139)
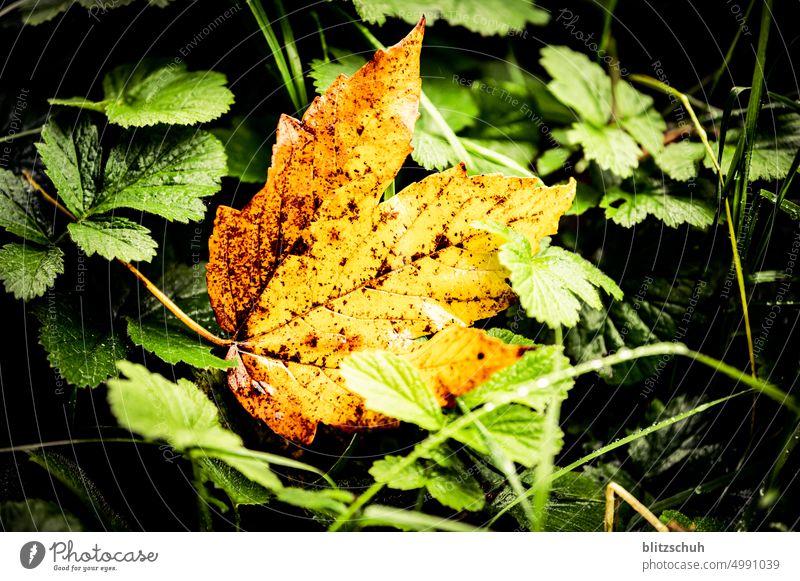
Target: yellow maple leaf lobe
(315, 267)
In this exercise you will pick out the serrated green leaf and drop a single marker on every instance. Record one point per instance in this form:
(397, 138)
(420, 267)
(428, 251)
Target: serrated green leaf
(37, 516)
(171, 344)
(114, 237)
(19, 213)
(515, 429)
(578, 83)
(392, 386)
(671, 210)
(73, 162)
(611, 147)
(149, 93)
(166, 174)
(76, 479)
(509, 337)
(409, 478)
(647, 128)
(178, 413)
(456, 489)
(551, 284)
(83, 353)
(586, 197)
(519, 381)
(240, 489)
(256, 469)
(486, 17)
(28, 271)
(773, 151)
(680, 160)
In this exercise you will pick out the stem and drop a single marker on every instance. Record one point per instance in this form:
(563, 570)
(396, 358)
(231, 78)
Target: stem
(48, 197)
(175, 309)
(25, 133)
(156, 292)
(11, 7)
(615, 489)
(742, 291)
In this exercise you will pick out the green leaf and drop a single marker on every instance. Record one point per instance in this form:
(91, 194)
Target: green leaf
(486, 17)
(240, 489)
(75, 478)
(114, 237)
(73, 162)
(19, 212)
(409, 478)
(83, 353)
(172, 345)
(410, 520)
(456, 489)
(157, 409)
(701, 524)
(390, 385)
(579, 83)
(680, 160)
(325, 72)
(325, 500)
(509, 337)
(586, 197)
(38, 11)
(515, 429)
(27, 271)
(609, 146)
(519, 381)
(773, 151)
(671, 210)
(552, 283)
(149, 93)
(552, 160)
(678, 446)
(37, 516)
(247, 150)
(647, 128)
(256, 469)
(166, 174)
(162, 172)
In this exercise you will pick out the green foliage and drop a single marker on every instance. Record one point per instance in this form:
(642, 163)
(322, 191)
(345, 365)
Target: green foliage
(27, 271)
(79, 483)
(35, 12)
(170, 343)
(246, 149)
(680, 160)
(114, 237)
(151, 93)
(700, 524)
(552, 283)
(630, 209)
(613, 126)
(157, 409)
(37, 516)
(391, 385)
(19, 212)
(82, 351)
(166, 173)
(515, 429)
(773, 151)
(486, 17)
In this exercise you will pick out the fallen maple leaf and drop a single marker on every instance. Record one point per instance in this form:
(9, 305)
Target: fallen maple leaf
(314, 268)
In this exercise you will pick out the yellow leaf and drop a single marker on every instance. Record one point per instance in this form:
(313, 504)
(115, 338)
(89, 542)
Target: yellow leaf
(314, 268)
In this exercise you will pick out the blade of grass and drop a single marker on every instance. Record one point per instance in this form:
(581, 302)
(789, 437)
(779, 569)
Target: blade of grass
(290, 46)
(623, 442)
(379, 515)
(275, 48)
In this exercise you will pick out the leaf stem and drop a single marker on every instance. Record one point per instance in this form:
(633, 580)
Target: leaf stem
(25, 133)
(154, 290)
